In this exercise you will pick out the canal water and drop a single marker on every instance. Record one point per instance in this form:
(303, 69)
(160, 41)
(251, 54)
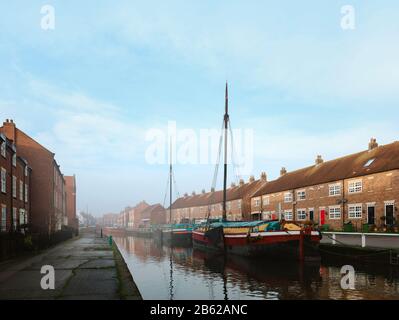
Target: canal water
(186, 273)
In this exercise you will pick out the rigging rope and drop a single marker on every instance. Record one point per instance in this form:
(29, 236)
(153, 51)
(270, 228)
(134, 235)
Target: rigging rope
(166, 191)
(233, 155)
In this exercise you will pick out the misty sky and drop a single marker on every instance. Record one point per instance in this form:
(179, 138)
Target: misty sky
(91, 88)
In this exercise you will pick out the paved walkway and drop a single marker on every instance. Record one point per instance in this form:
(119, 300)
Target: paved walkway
(85, 268)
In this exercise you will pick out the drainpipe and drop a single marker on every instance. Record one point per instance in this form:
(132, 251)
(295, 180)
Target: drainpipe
(11, 193)
(293, 204)
(343, 203)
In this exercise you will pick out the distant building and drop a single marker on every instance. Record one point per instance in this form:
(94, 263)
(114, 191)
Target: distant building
(110, 220)
(152, 215)
(197, 207)
(70, 189)
(47, 185)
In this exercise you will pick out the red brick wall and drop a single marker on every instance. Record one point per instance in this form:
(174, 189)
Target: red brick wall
(7, 199)
(41, 160)
(70, 190)
(376, 190)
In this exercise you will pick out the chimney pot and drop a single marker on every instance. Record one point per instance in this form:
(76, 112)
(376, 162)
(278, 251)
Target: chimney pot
(203, 191)
(373, 144)
(233, 185)
(319, 160)
(283, 171)
(242, 182)
(193, 193)
(251, 179)
(263, 176)
(212, 189)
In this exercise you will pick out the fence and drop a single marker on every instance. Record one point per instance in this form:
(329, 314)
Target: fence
(13, 244)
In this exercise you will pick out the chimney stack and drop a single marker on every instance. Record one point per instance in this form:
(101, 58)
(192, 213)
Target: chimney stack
(263, 176)
(251, 179)
(283, 171)
(242, 182)
(9, 130)
(233, 185)
(319, 160)
(373, 144)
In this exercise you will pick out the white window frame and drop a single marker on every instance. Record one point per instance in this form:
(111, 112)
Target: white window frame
(21, 190)
(14, 218)
(14, 160)
(22, 217)
(4, 149)
(26, 171)
(14, 186)
(26, 193)
(288, 216)
(334, 213)
(355, 186)
(301, 195)
(301, 214)
(334, 189)
(257, 202)
(288, 197)
(266, 200)
(355, 213)
(3, 180)
(3, 218)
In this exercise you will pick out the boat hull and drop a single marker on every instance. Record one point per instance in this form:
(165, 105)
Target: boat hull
(278, 244)
(177, 238)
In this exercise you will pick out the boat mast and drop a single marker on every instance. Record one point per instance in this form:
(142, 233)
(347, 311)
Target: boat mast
(226, 120)
(170, 184)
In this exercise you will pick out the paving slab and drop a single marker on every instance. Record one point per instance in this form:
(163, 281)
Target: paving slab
(85, 269)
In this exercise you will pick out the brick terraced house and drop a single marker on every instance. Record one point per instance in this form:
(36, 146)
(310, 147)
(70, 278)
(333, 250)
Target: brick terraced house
(14, 188)
(42, 182)
(361, 188)
(198, 207)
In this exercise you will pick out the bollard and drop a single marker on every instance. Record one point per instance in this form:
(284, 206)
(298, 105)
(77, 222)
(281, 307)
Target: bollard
(110, 240)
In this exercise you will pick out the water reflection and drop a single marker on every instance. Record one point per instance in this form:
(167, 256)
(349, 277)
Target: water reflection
(185, 273)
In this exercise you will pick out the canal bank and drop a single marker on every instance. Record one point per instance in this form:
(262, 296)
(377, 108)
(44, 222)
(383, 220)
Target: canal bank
(85, 268)
(377, 248)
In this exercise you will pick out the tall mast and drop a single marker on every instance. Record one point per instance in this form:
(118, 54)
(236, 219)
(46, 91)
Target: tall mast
(226, 120)
(170, 183)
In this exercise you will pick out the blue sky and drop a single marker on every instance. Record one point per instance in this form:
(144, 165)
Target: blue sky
(93, 87)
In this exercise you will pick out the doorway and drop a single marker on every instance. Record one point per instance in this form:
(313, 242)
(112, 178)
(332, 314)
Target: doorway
(389, 214)
(371, 215)
(311, 214)
(322, 219)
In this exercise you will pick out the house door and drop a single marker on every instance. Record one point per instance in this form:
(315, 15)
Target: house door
(371, 215)
(311, 215)
(389, 214)
(322, 216)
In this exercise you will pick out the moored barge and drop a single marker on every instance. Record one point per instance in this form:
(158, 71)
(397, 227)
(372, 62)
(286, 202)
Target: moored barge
(285, 240)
